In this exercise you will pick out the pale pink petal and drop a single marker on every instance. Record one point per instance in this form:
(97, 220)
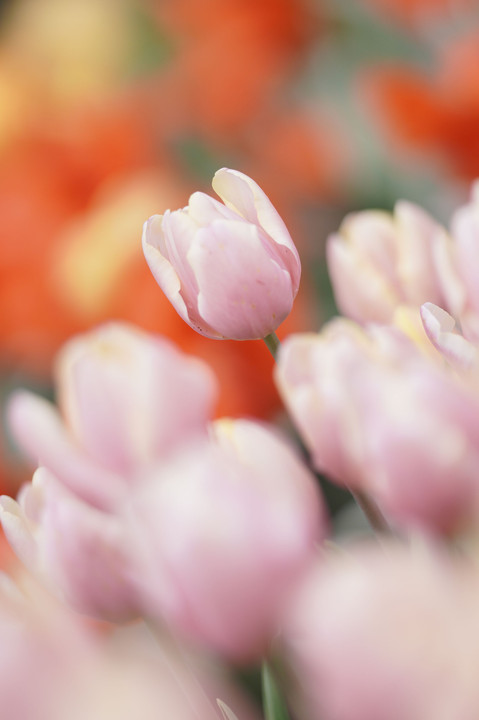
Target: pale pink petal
(262, 294)
(204, 209)
(84, 553)
(417, 235)
(39, 430)
(361, 292)
(440, 326)
(465, 230)
(242, 194)
(18, 532)
(115, 384)
(158, 261)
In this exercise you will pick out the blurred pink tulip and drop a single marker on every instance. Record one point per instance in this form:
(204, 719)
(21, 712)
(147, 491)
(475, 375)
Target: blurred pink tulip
(230, 270)
(41, 647)
(378, 415)
(378, 261)
(461, 264)
(223, 535)
(388, 634)
(125, 400)
(77, 550)
(53, 667)
(441, 330)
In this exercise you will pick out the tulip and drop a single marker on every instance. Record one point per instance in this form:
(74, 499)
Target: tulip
(76, 550)
(379, 416)
(378, 261)
(125, 400)
(441, 330)
(230, 270)
(222, 535)
(387, 634)
(461, 264)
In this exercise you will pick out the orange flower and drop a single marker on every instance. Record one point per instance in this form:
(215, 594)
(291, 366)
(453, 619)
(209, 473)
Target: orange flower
(439, 114)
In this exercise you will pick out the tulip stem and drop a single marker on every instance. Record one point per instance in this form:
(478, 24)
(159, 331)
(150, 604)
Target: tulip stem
(274, 707)
(272, 343)
(371, 511)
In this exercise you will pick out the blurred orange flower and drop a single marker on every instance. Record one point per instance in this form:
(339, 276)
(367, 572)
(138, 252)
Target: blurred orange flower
(438, 115)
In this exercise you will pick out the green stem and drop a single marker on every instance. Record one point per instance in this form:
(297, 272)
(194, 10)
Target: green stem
(274, 707)
(272, 343)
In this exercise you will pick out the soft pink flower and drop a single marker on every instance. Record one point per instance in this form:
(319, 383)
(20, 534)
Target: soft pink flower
(378, 261)
(460, 267)
(379, 415)
(230, 270)
(52, 667)
(388, 633)
(442, 332)
(125, 400)
(223, 534)
(79, 551)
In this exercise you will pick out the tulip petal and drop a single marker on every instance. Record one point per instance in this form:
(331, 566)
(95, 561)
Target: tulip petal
(360, 291)
(242, 194)
(156, 256)
(84, 553)
(17, 531)
(39, 431)
(439, 326)
(262, 294)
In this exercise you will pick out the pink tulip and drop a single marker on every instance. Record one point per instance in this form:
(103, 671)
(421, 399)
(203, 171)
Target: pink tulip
(41, 649)
(125, 400)
(223, 535)
(463, 265)
(441, 330)
(53, 668)
(388, 634)
(230, 270)
(77, 550)
(378, 415)
(378, 261)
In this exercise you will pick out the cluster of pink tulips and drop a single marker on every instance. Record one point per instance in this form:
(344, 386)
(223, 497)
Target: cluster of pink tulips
(205, 545)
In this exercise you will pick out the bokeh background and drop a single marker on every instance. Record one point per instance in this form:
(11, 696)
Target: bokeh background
(112, 110)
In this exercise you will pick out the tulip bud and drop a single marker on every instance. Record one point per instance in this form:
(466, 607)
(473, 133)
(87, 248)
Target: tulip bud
(379, 415)
(378, 261)
(78, 551)
(230, 271)
(222, 535)
(125, 400)
(387, 634)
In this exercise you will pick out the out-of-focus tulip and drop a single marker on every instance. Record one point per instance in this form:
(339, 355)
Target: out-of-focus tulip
(77, 550)
(379, 415)
(54, 668)
(223, 534)
(462, 262)
(230, 271)
(388, 634)
(441, 330)
(125, 400)
(378, 261)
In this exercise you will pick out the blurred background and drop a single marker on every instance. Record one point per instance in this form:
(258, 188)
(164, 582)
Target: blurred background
(112, 110)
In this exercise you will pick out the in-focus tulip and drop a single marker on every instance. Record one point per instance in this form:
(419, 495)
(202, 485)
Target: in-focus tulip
(388, 634)
(126, 398)
(230, 270)
(378, 261)
(379, 415)
(222, 536)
